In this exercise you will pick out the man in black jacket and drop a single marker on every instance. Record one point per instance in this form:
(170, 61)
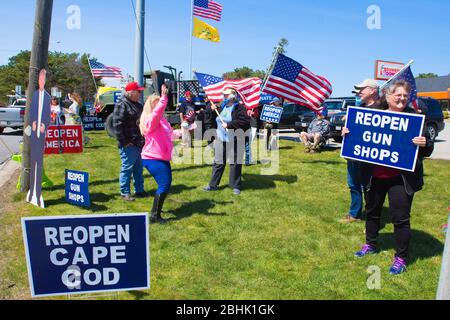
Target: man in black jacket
(127, 113)
(231, 127)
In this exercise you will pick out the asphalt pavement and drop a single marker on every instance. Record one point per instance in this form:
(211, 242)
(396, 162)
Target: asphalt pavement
(442, 143)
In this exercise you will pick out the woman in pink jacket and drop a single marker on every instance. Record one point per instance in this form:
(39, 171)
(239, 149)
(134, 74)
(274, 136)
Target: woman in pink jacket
(157, 151)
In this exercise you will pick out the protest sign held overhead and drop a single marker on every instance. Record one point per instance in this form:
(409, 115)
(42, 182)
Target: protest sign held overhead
(80, 254)
(382, 137)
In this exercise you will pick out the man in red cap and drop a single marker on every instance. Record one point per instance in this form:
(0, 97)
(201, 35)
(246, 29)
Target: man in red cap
(187, 117)
(127, 113)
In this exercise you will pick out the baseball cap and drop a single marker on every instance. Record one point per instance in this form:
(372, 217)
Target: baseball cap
(133, 86)
(366, 83)
(187, 93)
(276, 100)
(324, 112)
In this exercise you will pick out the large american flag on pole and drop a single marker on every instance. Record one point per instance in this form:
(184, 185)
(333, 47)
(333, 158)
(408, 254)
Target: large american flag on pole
(248, 89)
(292, 81)
(207, 9)
(99, 70)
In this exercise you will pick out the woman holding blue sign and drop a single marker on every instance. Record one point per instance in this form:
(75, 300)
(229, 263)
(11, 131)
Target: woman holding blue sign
(157, 151)
(399, 185)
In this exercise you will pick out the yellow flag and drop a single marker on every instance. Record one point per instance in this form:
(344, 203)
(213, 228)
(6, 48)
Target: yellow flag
(203, 30)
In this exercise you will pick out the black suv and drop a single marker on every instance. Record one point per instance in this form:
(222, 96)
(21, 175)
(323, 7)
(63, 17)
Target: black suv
(335, 106)
(434, 119)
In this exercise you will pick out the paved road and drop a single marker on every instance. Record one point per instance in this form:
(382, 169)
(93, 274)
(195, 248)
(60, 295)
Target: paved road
(442, 143)
(9, 142)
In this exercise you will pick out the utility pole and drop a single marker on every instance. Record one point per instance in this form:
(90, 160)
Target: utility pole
(39, 60)
(139, 46)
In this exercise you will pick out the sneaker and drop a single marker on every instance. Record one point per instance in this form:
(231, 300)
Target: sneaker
(128, 197)
(236, 192)
(365, 250)
(307, 149)
(398, 266)
(209, 188)
(154, 219)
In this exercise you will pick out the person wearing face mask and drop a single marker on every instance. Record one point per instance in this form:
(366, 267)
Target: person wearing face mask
(400, 187)
(230, 142)
(367, 96)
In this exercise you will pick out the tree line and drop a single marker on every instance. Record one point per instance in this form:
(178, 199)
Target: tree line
(69, 72)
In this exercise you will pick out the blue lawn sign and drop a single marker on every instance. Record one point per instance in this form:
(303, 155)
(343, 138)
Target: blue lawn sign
(382, 137)
(271, 113)
(92, 123)
(87, 254)
(117, 96)
(77, 188)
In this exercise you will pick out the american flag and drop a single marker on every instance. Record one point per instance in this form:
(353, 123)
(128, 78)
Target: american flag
(407, 75)
(248, 89)
(99, 70)
(191, 86)
(291, 81)
(207, 9)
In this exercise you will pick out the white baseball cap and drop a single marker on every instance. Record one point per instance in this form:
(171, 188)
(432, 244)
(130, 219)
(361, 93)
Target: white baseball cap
(366, 83)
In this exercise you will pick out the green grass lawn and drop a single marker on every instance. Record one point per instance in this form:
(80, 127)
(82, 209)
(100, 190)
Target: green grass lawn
(279, 240)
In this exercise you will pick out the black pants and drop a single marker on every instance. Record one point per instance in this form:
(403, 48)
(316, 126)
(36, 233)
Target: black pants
(399, 210)
(209, 126)
(222, 152)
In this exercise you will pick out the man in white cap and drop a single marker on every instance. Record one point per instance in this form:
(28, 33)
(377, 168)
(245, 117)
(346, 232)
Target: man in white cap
(367, 94)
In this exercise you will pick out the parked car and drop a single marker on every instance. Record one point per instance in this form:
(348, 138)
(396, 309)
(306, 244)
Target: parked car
(290, 116)
(13, 115)
(335, 106)
(434, 119)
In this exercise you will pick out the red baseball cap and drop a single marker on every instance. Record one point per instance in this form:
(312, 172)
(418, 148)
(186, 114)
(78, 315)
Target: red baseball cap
(134, 86)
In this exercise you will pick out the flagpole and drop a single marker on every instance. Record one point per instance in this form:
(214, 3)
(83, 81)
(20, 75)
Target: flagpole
(404, 68)
(93, 78)
(271, 67)
(190, 39)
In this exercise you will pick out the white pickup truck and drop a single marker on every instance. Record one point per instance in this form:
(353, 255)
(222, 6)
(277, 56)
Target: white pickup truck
(12, 116)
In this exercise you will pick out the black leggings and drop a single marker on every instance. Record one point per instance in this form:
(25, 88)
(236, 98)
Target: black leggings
(399, 209)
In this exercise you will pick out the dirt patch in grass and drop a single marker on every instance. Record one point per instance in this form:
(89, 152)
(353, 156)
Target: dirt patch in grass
(7, 191)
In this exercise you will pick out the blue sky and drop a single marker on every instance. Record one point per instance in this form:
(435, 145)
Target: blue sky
(330, 38)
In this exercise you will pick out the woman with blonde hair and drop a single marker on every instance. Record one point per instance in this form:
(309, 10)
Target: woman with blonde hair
(157, 151)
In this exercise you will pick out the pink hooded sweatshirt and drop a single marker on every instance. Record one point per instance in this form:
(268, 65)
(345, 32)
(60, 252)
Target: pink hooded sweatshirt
(158, 135)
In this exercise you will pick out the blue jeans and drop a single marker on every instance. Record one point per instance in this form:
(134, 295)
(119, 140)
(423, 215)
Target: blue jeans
(162, 172)
(356, 189)
(131, 166)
